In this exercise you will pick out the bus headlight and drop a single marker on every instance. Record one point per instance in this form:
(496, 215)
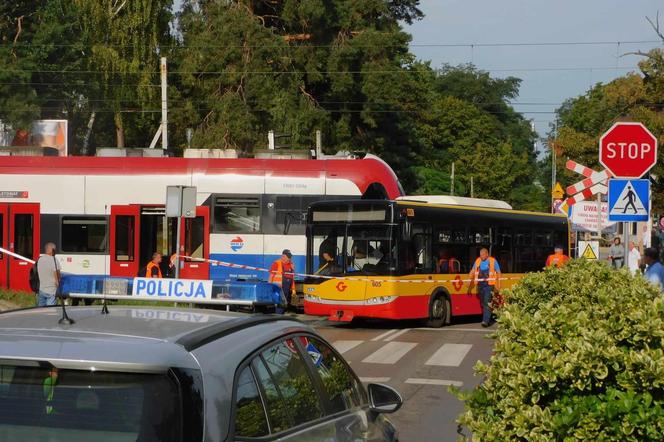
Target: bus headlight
(381, 300)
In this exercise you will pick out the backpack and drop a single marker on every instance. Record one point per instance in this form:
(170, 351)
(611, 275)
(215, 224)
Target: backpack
(33, 277)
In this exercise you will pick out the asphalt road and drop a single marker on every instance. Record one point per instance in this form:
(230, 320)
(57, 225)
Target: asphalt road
(421, 363)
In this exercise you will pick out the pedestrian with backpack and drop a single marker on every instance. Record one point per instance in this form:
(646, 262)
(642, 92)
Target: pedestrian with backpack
(48, 271)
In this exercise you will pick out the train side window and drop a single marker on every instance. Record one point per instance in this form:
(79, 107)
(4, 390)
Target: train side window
(83, 234)
(23, 234)
(291, 212)
(237, 215)
(124, 237)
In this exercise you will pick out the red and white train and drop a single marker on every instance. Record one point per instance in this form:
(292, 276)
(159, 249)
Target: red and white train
(107, 216)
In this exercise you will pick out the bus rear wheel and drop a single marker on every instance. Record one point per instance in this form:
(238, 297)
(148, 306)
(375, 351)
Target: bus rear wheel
(439, 312)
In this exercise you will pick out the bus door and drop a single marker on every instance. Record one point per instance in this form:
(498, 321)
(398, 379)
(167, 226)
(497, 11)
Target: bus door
(124, 240)
(20, 234)
(195, 242)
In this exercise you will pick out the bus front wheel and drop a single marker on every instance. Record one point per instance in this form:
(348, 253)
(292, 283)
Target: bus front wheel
(439, 312)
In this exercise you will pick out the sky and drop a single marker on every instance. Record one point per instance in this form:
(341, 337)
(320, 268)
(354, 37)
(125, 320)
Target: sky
(550, 73)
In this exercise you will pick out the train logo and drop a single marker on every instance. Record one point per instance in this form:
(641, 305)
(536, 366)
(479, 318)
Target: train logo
(237, 243)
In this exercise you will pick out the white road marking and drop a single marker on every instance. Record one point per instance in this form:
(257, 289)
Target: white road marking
(383, 335)
(479, 330)
(344, 346)
(370, 380)
(390, 353)
(396, 335)
(449, 355)
(419, 381)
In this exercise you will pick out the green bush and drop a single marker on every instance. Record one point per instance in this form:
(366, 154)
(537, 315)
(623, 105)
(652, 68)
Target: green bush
(578, 356)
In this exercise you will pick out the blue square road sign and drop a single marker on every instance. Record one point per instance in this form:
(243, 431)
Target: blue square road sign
(629, 200)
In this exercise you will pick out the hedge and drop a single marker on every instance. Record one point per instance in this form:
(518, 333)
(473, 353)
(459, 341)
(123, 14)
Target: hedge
(578, 356)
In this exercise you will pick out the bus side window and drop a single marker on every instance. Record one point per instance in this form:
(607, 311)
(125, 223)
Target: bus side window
(421, 248)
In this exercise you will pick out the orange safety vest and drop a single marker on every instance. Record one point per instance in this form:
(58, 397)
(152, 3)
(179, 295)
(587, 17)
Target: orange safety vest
(557, 260)
(492, 270)
(278, 276)
(148, 270)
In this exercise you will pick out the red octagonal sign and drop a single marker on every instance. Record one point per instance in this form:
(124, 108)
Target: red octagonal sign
(628, 150)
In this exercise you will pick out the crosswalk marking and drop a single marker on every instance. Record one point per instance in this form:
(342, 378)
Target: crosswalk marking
(390, 353)
(396, 335)
(449, 355)
(420, 381)
(383, 335)
(344, 346)
(369, 380)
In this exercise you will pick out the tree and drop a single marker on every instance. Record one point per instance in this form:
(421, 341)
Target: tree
(126, 39)
(296, 66)
(470, 123)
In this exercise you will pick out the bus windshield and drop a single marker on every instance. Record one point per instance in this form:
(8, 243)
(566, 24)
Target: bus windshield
(352, 249)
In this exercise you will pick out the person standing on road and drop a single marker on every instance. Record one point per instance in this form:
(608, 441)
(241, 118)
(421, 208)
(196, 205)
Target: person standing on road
(633, 258)
(654, 269)
(282, 273)
(558, 258)
(48, 270)
(486, 274)
(153, 269)
(617, 253)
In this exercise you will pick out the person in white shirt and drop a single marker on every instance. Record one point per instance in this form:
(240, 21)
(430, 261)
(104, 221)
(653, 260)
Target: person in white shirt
(633, 258)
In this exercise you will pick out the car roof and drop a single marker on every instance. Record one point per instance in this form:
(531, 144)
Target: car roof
(142, 338)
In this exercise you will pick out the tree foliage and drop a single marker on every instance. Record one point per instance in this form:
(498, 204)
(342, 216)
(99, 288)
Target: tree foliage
(578, 355)
(240, 68)
(634, 97)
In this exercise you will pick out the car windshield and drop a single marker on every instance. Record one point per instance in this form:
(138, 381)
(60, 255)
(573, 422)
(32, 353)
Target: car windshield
(43, 403)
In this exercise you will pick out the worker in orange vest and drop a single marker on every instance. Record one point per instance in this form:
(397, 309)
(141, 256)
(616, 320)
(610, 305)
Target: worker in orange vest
(282, 273)
(486, 274)
(558, 258)
(153, 269)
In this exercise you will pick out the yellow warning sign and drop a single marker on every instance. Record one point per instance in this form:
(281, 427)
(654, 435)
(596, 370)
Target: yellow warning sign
(589, 253)
(558, 192)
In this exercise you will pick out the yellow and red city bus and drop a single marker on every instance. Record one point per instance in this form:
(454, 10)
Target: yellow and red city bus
(409, 259)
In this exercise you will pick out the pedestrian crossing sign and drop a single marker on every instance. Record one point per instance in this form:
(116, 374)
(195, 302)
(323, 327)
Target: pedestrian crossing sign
(629, 200)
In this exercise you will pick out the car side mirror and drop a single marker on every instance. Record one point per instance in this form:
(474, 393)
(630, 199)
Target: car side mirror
(384, 399)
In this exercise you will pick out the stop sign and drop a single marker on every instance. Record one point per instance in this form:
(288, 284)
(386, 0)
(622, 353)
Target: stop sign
(628, 150)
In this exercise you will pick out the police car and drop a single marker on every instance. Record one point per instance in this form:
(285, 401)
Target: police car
(175, 374)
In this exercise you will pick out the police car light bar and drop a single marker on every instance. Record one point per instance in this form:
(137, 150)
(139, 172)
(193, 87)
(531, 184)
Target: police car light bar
(213, 301)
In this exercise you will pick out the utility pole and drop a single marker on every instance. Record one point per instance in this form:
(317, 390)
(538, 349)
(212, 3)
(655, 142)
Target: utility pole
(164, 104)
(472, 188)
(163, 127)
(452, 178)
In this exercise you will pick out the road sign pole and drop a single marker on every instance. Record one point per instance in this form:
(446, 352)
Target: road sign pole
(626, 231)
(599, 216)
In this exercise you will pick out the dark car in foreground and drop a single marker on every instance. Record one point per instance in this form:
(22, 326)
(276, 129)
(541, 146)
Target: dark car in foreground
(172, 374)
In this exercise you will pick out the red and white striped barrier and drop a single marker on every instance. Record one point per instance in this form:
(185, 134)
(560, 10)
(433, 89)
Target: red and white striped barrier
(579, 168)
(594, 178)
(586, 194)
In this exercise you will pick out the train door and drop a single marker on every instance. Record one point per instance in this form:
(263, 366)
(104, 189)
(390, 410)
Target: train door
(139, 231)
(20, 234)
(124, 240)
(196, 244)
(4, 243)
